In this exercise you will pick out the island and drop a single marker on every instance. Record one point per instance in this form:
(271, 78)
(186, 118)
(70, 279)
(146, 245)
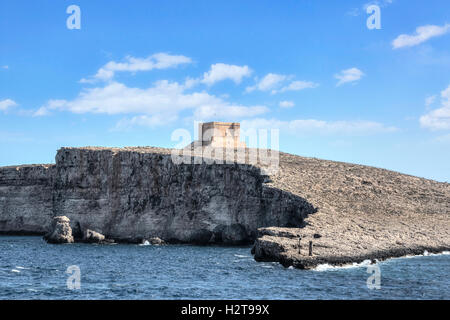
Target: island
(306, 212)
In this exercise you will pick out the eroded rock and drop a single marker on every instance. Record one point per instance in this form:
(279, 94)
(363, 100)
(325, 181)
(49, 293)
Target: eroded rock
(61, 232)
(91, 236)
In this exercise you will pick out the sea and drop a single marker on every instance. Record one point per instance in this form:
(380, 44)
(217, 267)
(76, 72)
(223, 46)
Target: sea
(32, 269)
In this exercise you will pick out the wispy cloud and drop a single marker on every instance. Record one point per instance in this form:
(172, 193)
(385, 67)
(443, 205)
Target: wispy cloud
(5, 67)
(348, 75)
(320, 127)
(421, 35)
(7, 104)
(286, 104)
(274, 83)
(132, 64)
(443, 138)
(430, 100)
(438, 119)
(269, 82)
(144, 121)
(299, 85)
(354, 12)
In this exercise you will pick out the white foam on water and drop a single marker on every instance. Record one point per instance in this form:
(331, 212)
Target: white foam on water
(15, 270)
(241, 256)
(426, 254)
(22, 268)
(327, 267)
(146, 243)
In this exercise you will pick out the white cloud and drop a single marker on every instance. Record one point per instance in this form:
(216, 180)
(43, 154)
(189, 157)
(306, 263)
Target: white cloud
(268, 82)
(319, 127)
(438, 119)
(272, 82)
(132, 64)
(117, 98)
(348, 75)
(298, 85)
(42, 111)
(221, 71)
(153, 106)
(430, 100)
(6, 104)
(422, 34)
(5, 67)
(286, 104)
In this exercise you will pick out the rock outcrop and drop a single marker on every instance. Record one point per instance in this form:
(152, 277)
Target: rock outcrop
(61, 232)
(93, 237)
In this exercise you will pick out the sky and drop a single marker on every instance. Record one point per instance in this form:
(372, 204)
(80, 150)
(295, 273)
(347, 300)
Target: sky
(132, 73)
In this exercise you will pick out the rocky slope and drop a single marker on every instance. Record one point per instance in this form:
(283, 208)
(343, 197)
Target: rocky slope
(363, 213)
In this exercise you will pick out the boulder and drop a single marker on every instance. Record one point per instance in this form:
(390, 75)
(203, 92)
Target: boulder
(61, 232)
(91, 236)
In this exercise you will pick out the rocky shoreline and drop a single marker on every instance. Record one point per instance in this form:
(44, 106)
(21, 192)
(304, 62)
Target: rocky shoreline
(349, 212)
(289, 249)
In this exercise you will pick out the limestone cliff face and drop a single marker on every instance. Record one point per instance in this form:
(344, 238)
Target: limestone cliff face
(26, 204)
(130, 194)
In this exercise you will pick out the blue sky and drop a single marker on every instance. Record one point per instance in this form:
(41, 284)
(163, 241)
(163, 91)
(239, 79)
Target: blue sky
(138, 70)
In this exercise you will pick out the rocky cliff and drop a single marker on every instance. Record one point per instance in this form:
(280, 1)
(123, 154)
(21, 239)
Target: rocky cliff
(349, 212)
(135, 193)
(26, 204)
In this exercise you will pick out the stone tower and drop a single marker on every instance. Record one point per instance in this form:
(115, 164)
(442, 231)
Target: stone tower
(220, 135)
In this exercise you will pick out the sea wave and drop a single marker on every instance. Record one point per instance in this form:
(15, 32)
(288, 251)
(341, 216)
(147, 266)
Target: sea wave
(365, 263)
(425, 254)
(327, 267)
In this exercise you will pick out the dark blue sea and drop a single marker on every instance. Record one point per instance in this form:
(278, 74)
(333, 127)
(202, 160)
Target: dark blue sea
(33, 269)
